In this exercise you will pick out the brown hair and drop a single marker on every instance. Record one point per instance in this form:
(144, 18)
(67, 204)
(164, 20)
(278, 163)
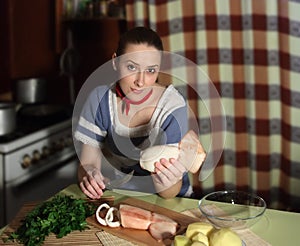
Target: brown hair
(139, 35)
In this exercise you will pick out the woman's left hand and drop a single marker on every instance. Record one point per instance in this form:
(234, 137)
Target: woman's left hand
(167, 173)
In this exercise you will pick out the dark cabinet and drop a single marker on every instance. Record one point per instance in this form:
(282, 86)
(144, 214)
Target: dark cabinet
(95, 41)
(33, 37)
(27, 43)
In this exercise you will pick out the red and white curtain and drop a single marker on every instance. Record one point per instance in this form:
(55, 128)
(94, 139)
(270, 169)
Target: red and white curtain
(251, 52)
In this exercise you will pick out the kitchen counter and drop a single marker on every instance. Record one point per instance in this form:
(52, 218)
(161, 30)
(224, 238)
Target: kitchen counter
(276, 227)
(279, 228)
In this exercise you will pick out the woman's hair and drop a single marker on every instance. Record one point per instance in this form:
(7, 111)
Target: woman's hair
(139, 35)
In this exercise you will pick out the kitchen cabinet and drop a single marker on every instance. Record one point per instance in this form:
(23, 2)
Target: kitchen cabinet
(34, 37)
(27, 40)
(91, 35)
(95, 40)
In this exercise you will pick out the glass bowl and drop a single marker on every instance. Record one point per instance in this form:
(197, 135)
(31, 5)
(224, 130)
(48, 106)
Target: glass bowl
(233, 209)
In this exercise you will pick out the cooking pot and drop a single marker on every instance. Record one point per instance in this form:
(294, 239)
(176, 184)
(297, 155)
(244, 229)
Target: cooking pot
(32, 90)
(7, 118)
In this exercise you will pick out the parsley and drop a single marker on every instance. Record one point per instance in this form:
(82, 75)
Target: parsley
(60, 215)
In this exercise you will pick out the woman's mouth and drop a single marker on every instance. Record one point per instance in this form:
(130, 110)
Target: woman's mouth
(136, 91)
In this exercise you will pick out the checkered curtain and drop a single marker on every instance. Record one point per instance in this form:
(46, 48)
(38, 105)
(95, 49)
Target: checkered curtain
(250, 49)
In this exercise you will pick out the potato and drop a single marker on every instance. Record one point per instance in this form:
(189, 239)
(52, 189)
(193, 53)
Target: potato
(181, 240)
(197, 227)
(198, 243)
(200, 237)
(224, 237)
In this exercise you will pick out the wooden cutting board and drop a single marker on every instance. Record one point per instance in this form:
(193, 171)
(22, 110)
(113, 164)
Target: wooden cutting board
(142, 237)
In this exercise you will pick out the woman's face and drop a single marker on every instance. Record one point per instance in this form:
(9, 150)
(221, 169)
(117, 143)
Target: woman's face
(138, 68)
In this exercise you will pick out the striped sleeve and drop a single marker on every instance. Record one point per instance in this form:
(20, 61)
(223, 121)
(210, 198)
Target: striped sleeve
(94, 119)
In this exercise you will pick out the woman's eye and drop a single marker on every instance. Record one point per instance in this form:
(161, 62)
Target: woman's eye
(131, 67)
(151, 70)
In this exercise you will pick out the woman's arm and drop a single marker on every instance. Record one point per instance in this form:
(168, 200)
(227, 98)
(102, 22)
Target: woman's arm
(169, 173)
(91, 180)
(172, 191)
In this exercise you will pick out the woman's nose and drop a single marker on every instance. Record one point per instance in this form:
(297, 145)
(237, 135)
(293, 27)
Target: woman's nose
(139, 81)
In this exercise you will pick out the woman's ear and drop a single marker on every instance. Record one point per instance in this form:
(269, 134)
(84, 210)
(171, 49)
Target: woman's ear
(114, 61)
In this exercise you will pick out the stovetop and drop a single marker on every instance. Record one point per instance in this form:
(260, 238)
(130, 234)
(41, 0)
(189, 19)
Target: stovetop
(26, 127)
(34, 122)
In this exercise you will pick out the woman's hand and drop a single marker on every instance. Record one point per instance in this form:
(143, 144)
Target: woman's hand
(167, 177)
(91, 181)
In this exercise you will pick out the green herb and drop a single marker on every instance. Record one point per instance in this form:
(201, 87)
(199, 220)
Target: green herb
(60, 215)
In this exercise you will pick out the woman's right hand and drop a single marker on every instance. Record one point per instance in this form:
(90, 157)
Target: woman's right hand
(91, 181)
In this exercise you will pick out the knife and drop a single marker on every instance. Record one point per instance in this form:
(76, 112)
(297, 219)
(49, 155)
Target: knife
(116, 183)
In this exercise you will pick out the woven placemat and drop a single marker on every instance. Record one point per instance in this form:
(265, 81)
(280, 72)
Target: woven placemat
(249, 238)
(108, 239)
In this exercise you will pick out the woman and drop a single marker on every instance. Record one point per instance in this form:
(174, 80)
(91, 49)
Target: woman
(133, 114)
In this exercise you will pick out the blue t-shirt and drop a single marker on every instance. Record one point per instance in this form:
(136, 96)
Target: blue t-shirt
(99, 126)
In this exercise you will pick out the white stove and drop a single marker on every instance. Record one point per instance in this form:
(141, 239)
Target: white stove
(36, 161)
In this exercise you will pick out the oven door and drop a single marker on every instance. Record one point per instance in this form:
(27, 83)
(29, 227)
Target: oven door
(40, 187)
